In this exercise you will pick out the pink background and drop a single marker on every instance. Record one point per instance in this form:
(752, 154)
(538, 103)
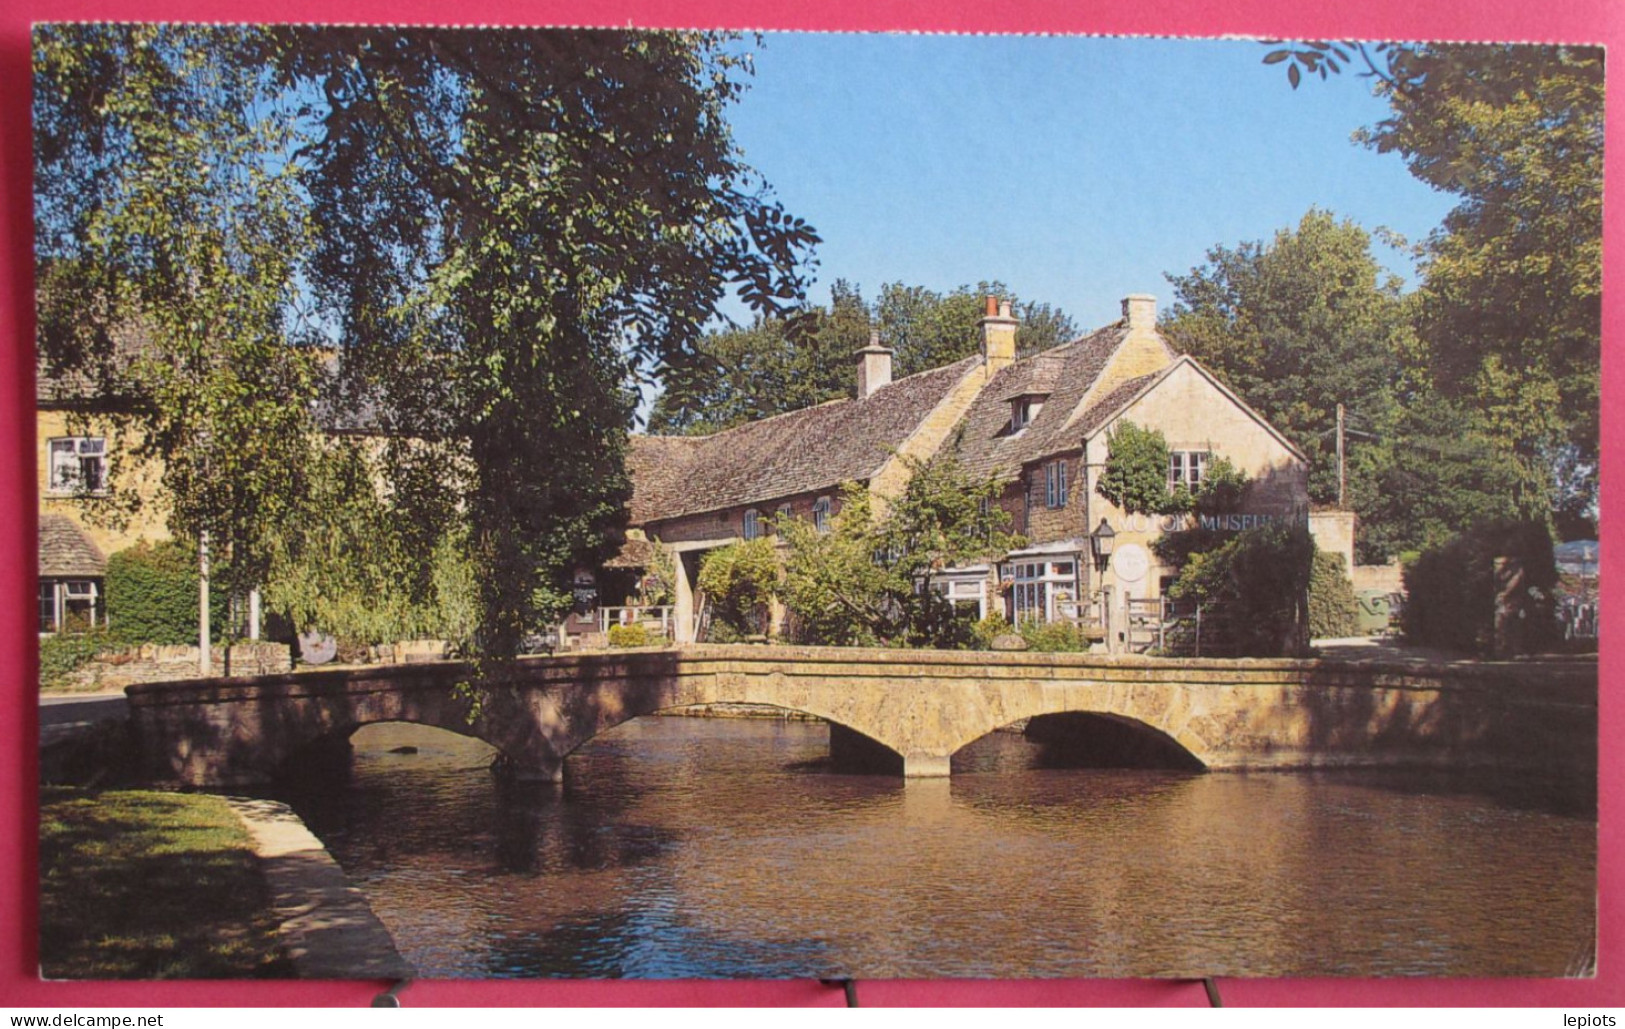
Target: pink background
(1583, 21)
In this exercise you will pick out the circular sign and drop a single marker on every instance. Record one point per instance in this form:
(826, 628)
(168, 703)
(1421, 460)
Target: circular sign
(1130, 562)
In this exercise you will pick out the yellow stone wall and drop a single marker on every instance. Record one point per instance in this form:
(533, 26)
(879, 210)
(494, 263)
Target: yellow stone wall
(104, 519)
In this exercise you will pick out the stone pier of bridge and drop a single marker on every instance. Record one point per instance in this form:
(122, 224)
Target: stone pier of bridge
(903, 711)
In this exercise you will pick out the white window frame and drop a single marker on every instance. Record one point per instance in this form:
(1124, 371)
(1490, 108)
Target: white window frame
(1040, 586)
(1055, 484)
(787, 511)
(1188, 468)
(821, 511)
(66, 458)
(751, 524)
(64, 591)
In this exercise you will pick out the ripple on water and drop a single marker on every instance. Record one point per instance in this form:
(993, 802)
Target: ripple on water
(719, 848)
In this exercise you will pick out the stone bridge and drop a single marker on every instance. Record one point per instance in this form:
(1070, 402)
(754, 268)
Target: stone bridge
(911, 710)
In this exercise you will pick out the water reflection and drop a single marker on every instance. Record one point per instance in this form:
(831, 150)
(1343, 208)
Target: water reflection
(719, 848)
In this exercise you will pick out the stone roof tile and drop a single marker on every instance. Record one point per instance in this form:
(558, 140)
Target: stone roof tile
(986, 445)
(805, 451)
(66, 552)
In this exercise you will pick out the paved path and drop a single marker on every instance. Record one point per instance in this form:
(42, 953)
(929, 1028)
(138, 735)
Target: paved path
(328, 931)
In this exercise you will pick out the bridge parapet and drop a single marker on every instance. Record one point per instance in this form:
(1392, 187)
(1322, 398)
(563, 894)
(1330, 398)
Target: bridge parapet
(920, 705)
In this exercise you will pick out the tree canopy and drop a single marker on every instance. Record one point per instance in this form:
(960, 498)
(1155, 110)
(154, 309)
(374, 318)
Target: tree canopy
(869, 579)
(1509, 312)
(479, 236)
(785, 363)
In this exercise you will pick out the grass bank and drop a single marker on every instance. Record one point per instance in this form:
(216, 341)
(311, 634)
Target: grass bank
(136, 884)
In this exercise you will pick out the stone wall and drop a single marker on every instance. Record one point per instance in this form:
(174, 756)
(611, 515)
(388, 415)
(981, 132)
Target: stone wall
(151, 662)
(1389, 577)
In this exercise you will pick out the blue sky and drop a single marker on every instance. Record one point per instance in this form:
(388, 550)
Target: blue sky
(1076, 170)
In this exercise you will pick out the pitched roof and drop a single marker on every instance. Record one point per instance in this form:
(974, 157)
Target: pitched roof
(806, 451)
(1117, 397)
(65, 552)
(986, 446)
(658, 465)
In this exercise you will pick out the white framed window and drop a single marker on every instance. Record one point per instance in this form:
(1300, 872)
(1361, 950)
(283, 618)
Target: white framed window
(967, 593)
(753, 524)
(78, 464)
(786, 512)
(1042, 591)
(1055, 484)
(821, 512)
(70, 605)
(1187, 468)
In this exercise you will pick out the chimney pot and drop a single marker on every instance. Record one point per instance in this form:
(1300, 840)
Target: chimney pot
(992, 306)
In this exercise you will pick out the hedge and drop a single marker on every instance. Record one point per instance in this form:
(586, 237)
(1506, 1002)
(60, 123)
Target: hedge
(1334, 611)
(152, 595)
(1451, 591)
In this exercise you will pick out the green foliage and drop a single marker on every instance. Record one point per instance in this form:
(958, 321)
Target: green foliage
(788, 363)
(739, 580)
(1054, 637)
(1509, 313)
(1136, 477)
(988, 629)
(361, 568)
(1510, 308)
(1297, 326)
(868, 580)
(62, 654)
(1451, 590)
(470, 212)
(1257, 582)
(630, 636)
(1333, 609)
(152, 595)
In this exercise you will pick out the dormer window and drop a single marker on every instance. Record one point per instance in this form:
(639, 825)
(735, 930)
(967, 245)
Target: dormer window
(1023, 410)
(753, 524)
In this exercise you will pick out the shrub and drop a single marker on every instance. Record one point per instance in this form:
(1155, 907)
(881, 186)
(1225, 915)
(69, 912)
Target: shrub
(739, 580)
(1258, 583)
(984, 632)
(1333, 609)
(630, 636)
(1054, 637)
(66, 652)
(152, 595)
(1451, 591)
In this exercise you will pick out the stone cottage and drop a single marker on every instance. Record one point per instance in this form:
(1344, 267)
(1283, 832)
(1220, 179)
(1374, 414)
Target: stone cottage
(1040, 424)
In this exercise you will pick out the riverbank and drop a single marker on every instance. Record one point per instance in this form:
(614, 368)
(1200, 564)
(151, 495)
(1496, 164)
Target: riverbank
(138, 884)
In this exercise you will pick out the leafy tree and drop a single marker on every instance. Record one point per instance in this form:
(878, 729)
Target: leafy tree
(788, 363)
(497, 228)
(165, 213)
(1258, 582)
(350, 569)
(739, 581)
(869, 579)
(1297, 326)
(1510, 309)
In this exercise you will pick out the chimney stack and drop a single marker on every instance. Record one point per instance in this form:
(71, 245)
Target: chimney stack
(998, 335)
(1140, 311)
(874, 366)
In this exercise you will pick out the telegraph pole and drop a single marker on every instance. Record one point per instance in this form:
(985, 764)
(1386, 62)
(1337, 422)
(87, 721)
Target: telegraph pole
(1341, 478)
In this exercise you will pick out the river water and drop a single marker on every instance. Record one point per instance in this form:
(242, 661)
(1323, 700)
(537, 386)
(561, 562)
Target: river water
(719, 848)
